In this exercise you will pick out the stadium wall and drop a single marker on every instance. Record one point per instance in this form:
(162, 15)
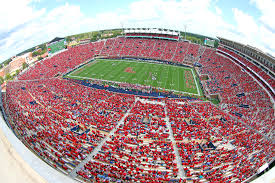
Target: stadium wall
(19, 164)
(268, 177)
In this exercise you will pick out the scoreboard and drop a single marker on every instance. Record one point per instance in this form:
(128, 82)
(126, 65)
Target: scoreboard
(209, 42)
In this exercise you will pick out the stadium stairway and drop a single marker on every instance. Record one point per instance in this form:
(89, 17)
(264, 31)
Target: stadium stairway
(73, 173)
(181, 173)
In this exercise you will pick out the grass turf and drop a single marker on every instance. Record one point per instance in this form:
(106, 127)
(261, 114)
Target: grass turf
(151, 74)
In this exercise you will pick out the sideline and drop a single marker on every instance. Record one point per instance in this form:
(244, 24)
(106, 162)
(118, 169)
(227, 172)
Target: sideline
(68, 75)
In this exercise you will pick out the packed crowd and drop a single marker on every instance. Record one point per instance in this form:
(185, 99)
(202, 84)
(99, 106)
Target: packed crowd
(116, 47)
(240, 94)
(46, 111)
(64, 121)
(252, 66)
(62, 62)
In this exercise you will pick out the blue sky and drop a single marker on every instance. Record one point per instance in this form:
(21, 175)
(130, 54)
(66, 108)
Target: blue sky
(26, 23)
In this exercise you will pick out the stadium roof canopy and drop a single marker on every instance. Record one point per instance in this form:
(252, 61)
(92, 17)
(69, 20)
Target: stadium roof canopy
(152, 31)
(257, 52)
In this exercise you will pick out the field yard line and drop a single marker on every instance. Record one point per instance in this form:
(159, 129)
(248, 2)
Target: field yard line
(158, 79)
(179, 79)
(141, 78)
(119, 72)
(137, 62)
(196, 82)
(150, 62)
(132, 77)
(167, 78)
(94, 61)
(173, 84)
(103, 72)
(149, 74)
(109, 72)
(124, 82)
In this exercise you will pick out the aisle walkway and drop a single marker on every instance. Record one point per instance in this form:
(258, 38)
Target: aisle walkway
(181, 174)
(98, 148)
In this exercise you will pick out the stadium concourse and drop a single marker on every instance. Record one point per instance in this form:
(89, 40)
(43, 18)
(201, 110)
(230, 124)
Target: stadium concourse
(93, 134)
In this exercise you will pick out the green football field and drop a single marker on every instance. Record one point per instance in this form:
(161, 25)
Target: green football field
(164, 76)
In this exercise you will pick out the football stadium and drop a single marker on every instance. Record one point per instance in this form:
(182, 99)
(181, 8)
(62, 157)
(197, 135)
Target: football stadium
(145, 106)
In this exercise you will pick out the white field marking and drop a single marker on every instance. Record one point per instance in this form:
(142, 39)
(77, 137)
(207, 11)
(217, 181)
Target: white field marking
(198, 91)
(148, 62)
(94, 62)
(141, 62)
(80, 77)
(179, 79)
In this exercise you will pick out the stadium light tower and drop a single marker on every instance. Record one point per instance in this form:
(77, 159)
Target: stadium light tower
(185, 26)
(121, 23)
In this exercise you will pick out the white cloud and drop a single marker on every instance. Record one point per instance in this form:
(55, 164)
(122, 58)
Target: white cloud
(140, 12)
(251, 32)
(17, 12)
(267, 40)
(199, 16)
(218, 10)
(245, 23)
(61, 21)
(175, 14)
(267, 11)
